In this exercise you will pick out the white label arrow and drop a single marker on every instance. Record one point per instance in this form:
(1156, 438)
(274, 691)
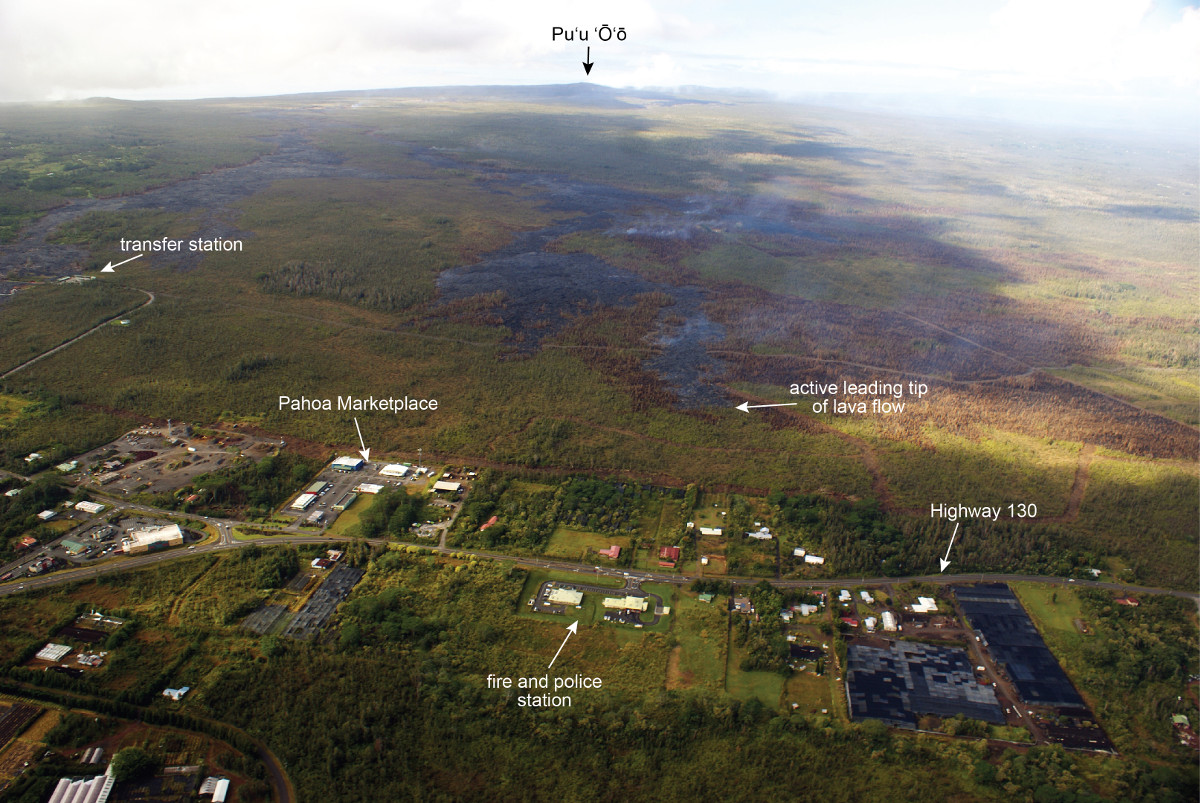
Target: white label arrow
(745, 407)
(574, 627)
(946, 560)
(364, 451)
(109, 267)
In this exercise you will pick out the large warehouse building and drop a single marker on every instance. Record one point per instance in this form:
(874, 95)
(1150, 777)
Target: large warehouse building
(393, 470)
(348, 464)
(303, 501)
(152, 539)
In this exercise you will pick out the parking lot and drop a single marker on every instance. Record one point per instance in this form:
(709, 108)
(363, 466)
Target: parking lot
(339, 483)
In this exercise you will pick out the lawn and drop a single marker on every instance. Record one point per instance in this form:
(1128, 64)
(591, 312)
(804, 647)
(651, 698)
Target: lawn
(809, 691)
(698, 659)
(568, 542)
(1053, 609)
(766, 686)
(346, 523)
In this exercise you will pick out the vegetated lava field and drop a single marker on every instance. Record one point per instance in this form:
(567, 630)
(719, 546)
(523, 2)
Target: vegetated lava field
(593, 280)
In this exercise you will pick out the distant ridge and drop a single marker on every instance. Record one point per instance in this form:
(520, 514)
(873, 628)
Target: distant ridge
(581, 94)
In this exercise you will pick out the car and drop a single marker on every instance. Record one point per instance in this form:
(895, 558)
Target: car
(193, 546)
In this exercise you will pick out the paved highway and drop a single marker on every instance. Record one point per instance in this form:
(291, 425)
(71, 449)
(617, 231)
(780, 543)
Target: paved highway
(226, 541)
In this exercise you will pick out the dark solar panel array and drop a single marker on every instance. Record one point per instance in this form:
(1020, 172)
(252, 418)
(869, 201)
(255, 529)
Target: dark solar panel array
(906, 680)
(1015, 644)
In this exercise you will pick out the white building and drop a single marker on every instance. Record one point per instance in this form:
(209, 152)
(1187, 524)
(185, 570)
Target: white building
(452, 487)
(176, 694)
(348, 464)
(53, 652)
(626, 603)
(711, 531)
(866, 597)
(565, 596)
(763, 534)
(889, 622)
(394, 470)
(815, 560)
(84, 790)
(303, 501)
(807, 610)
(844, 596)
(367, 488)
(89, 507)
(925, 605)
(46, 515)
(152, 538)
(870, 622)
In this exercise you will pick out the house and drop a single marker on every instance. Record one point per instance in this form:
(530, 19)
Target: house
(785, 616)
(1130, 601)
(814, 560)
(763, 534)
(889, 622)
(711, 531)
(870, 622)
(321, 563)
(844, 596)
(742, 605)
(706, 597)
(704, 560)
(489, 523)
(798, 552)
(46, 515)
(925, 605)
(176, 694)
(67, 468)
(613, 552)
(670, 553)
(850, 620)
(806, 610)
(866, 597)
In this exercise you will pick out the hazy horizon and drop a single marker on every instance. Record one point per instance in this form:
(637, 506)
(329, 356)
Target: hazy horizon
(1015, 59)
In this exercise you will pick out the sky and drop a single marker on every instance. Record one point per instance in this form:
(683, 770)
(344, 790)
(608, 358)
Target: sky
(1034, 53)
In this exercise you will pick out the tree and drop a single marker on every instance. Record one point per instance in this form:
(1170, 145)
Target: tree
(131, 763)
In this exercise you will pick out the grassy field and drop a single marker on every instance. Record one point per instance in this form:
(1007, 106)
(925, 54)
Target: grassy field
(698, 660)
(768, 687)
(568, 542)
(1166, 391)
(347, 521)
